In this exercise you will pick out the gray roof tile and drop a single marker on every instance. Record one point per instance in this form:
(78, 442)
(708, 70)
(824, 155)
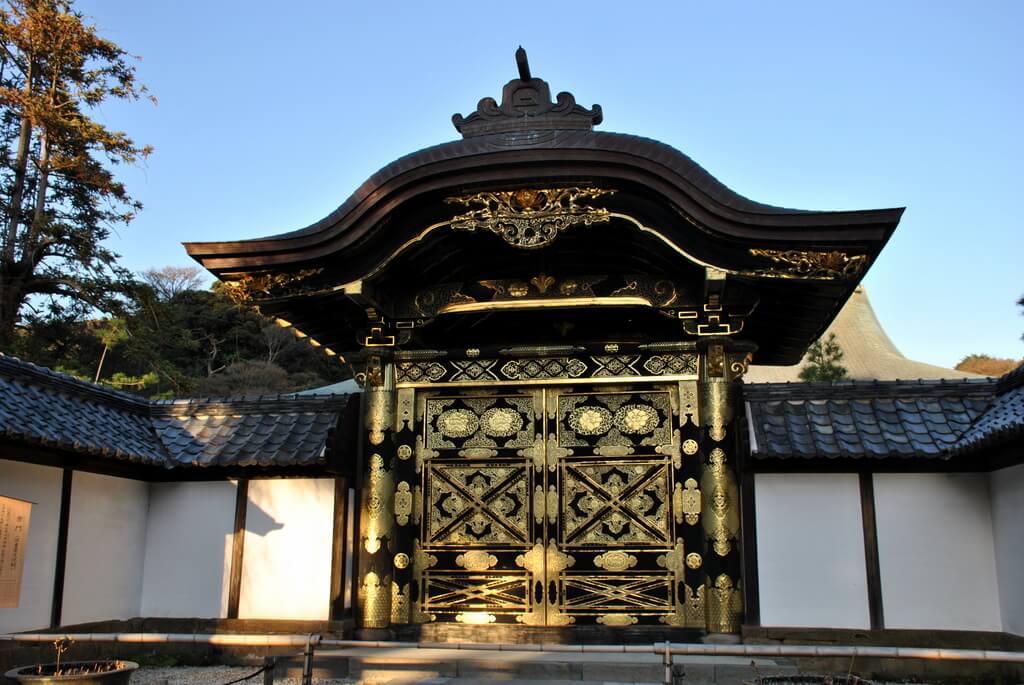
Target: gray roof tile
(929, 419)
(44, 407)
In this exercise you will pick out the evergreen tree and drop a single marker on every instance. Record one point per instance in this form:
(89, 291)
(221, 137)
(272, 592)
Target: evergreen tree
(823, 361)
(59, 199)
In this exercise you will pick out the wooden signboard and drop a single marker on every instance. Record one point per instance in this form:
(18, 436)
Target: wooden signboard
(14, 515)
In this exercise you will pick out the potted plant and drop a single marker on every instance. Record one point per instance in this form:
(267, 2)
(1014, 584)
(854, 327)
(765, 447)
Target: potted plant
(103, 672)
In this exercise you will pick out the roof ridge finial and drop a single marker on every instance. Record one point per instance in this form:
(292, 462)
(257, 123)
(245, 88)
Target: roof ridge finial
(526, 106)
(523, 62)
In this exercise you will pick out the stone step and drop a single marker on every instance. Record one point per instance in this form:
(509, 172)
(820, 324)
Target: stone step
(405, 666)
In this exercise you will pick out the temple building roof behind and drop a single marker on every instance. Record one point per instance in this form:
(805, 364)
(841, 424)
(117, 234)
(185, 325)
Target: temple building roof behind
(868, 353)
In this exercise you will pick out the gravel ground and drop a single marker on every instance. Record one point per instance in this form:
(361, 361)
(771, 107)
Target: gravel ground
(212, 675)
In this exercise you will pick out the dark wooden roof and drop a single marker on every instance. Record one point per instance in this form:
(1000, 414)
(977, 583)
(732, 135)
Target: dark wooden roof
(693, 220)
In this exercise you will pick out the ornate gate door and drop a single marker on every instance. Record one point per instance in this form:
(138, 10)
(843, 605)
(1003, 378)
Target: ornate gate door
(555, 506)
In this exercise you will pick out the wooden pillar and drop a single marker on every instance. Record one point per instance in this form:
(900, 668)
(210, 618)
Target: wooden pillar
(722, 364)
(339, 548)
(408, 506)
(377, 493)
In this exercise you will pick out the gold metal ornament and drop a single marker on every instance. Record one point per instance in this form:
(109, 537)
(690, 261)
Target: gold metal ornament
(376, 600)
(255, 287)
(690, 447)
(529, 218)
(378, 415)
(673, 561)
(399, 603)
(401, 560)
(417, 504)
(690, 502)
(377, 508)
(403, 503)
(810, 264)
(720, 503)
(476, 560)
(475, 618)
(615, 561)
(693, 560)
(740, 365)
(552, 505)
(694, 607)
(724, 606)
(617, 620)
(539, 504)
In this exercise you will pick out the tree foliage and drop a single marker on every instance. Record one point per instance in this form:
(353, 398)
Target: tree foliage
(171, 280)
(59, 199)
(823, 361)
(174, 342)
(987, 365)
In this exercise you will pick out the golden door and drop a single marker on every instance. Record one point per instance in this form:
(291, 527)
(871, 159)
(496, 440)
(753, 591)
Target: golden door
(556, 506)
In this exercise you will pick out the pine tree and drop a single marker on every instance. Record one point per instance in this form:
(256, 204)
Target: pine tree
(59, 199)
(823, 361)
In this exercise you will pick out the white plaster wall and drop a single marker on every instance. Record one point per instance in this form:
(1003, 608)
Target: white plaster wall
(936, 551)
(810, 550)
(286, 568)
(188, 549)
(1007, 487)
(106, 548)
(41, 485)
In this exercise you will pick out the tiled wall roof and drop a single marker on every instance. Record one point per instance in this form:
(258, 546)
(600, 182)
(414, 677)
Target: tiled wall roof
(39, 406)
(923, 419)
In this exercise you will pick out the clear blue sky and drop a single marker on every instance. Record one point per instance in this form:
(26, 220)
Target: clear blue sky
(271, 114)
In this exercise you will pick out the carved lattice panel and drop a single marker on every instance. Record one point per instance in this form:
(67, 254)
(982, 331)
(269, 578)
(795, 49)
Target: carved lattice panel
(477, 504)
(551, 507)
(615, 503)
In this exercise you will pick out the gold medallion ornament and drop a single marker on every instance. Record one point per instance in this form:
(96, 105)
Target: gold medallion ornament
(690, 447)
(457, 423)
(476, 560)
(404, 452)
(693, 560)
(590, 420)
(636, 419)
(401, 560)
(615, 561)
(501, 422)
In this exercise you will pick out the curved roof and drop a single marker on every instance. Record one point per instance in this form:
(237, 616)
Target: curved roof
(517, 157)
(868, 352)
(663, 212)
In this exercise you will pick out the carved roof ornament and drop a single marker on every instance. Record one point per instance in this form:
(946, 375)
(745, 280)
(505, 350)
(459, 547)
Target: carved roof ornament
(526, 106)
(811, 264)
(529, 218)
(261, 286)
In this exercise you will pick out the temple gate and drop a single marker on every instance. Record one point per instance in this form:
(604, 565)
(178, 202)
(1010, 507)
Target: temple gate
(550, 325)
